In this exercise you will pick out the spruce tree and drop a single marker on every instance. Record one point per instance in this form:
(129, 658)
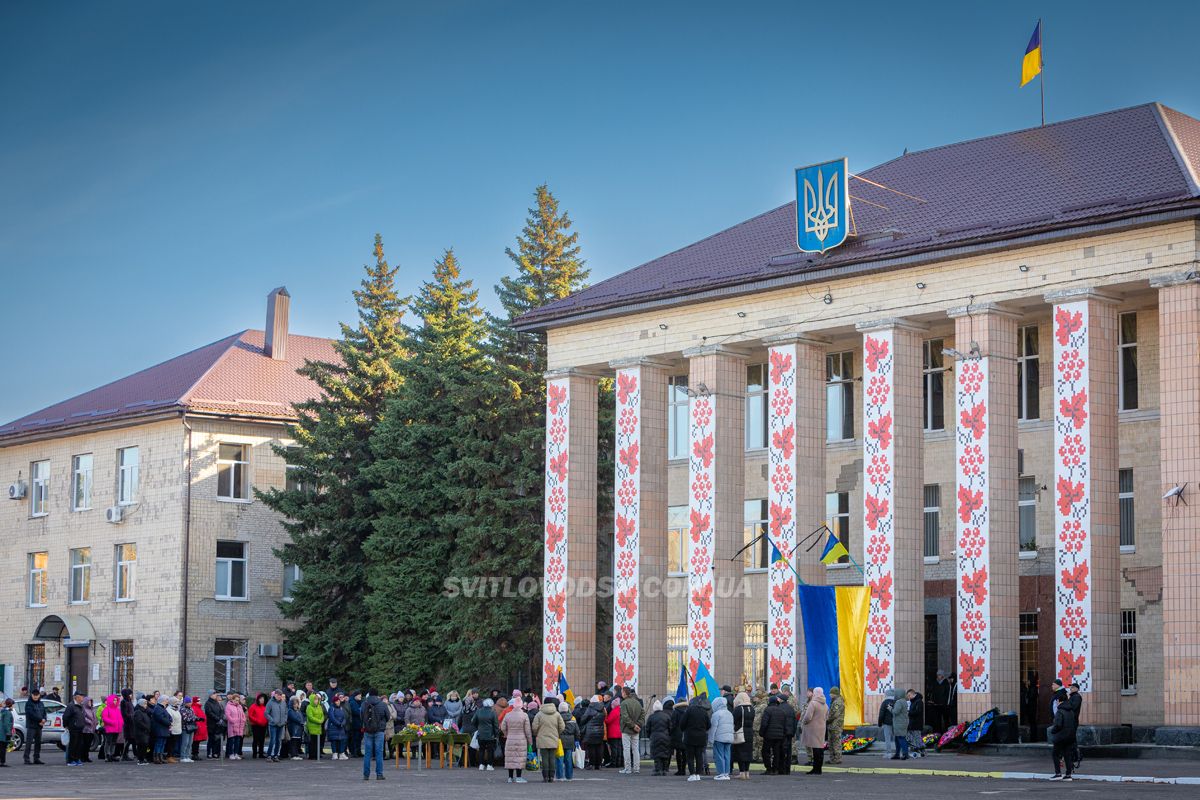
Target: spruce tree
(330, 515)
(417, 448)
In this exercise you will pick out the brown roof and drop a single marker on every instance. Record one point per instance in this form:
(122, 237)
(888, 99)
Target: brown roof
(1119, 165)
(230, 376)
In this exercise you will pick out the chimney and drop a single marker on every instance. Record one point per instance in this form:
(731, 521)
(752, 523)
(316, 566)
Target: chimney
(277, 323)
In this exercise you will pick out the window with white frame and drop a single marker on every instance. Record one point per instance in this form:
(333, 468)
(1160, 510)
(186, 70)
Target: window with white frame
(81, 482)
(1125, 505)
(39, 581)
(756, 406)
(933, 371)
(39, 491)
(1128, 651)
(1027, 373)
(81, 575)
(677, 416)
(232, 464)
(677, 539)
(755, 524)
(291, 576)
(126, 571)
(122, 669)
(839, 396)
(231, 571)
(229, 665)
(837, 516)
(677, 648)
(1127, 364)
(1027, 512)
(128, 460)
(933, 518)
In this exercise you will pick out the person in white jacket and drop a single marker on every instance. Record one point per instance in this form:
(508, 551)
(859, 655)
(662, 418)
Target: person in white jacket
(720, 737)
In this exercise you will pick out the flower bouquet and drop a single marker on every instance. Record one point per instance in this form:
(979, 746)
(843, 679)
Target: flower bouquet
(952, 735)
(856, 744)
(931, 739)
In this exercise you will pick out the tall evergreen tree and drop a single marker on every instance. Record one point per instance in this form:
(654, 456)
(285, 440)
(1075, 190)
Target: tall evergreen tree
(417, 448)
(501, 475)
(331, 514)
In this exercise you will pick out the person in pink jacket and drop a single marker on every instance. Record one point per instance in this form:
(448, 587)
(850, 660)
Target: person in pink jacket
(235, 727)
(113, 723)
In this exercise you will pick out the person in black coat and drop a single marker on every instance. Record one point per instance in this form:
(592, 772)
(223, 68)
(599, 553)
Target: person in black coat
(777, 727)
(696, 722)
(74, 720)
(214, 712)
(161, 729)
(743, 720)
(678, 712)
(35, 719)
(1062, 736)
(139, 730)
(127, 706)
(592, 725)
(658, 730)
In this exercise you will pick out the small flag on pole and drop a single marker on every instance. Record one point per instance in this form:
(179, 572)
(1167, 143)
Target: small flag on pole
(776, 556)
(834, 549)
(706, 684)
(681, 691)
(1031, 64)
(565, 690)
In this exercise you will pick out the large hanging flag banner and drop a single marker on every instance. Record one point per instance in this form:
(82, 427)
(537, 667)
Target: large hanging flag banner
(835, 634)
(627, 528)
(554, 567)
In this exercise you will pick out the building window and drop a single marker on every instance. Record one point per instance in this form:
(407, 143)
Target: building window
(39, 495)
(122, 668)
(1027, 512)
(291, 482)
(291, 576)
(1027, 373)
(229, 665)
(126, 572)
(81, 575)
(933, 514)
(677, 539)
(81, 482)
(754, 516)
(934, 373)
(231, 471)
(1127, 367)
(1125, 502)
(128, 460)
(754, 658)
(756, 406)
(677, 416)
(837, 516)
(1128, 651)
(1027, 633)
(231, 571)
(38, 579)
(677, 649)
(35, 666)
(839, 396)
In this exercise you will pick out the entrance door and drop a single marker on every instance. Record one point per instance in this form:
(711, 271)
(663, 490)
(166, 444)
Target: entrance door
(77, 669)
(931, 651)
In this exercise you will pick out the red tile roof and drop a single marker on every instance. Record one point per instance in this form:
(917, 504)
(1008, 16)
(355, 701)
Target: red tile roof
(230, 376)
(1111, 166)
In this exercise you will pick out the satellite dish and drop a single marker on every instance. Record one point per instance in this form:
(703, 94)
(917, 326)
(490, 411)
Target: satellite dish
(1176, 494)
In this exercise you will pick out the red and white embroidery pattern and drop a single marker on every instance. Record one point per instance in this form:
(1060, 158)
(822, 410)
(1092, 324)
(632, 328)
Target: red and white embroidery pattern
(972, 526)
(701, 518)
(627, 528)
(879, 508)
(554, 581)
(1072, 492)
(781, 502)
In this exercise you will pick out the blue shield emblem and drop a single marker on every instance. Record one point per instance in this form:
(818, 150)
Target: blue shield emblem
(822, 206)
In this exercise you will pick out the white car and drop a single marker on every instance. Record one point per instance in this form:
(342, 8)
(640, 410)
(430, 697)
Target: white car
(52, 731)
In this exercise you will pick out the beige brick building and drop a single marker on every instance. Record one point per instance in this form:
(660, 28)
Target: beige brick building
(136, 554)
(1057, 268)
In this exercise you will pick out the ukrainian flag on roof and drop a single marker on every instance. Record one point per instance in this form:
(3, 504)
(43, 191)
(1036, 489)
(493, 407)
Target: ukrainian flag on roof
(1031, 65)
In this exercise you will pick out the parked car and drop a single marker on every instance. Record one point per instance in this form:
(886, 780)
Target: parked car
(53, 730)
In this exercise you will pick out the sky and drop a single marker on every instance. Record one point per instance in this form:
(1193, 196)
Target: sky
(164, 165)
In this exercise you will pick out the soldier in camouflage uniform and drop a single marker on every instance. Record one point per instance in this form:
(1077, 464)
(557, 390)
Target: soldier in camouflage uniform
(759, 701)
(834, 724)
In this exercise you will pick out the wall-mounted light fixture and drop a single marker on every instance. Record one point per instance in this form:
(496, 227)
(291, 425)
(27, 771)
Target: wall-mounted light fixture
(742, 314)
(920, 284)
(827, 299)
(662, 326)
(1024, 268)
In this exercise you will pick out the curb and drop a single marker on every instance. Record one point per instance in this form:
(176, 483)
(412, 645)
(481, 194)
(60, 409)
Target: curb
(1035, 776)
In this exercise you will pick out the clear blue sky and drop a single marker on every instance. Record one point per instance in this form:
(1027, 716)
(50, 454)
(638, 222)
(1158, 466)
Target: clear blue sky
(163, 165)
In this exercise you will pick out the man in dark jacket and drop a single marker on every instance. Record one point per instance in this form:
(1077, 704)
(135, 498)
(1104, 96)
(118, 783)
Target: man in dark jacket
(355, 707)
(35, 720)
(916, 724)
(777, 727)
(1062, 736)
(1075, 706)
(127, 706)
(696, 723)
(678, 713)
(214, 712)
(939, 703)
(374, 721)
(74, 720)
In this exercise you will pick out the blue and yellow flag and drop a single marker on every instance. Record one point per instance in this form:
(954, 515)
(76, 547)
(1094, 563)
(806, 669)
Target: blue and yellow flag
(1031, 65)
(834, 549)
(681, 690)
(776, 556)
(835, 636)
(565, 690)
(706, 684)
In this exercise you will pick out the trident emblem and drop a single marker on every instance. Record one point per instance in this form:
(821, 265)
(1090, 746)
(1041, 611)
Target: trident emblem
(821, 206)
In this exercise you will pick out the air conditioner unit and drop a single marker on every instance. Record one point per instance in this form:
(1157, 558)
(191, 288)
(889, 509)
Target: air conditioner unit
(114, 514)
(268, 650)
(16, 491)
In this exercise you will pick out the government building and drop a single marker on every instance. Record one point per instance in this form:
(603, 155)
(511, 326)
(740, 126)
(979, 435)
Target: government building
(134, 549)
(990, 392)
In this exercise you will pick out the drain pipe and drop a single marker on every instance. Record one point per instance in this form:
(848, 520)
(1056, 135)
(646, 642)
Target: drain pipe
(187, 550)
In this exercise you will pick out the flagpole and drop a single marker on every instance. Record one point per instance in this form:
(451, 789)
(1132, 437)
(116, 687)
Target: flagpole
(1042, 71)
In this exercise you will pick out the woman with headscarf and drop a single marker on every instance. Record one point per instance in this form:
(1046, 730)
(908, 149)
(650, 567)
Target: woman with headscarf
(335, 729)
(743, 734)
(214, 709)
(315, 726)
(812, 725)
(114, 723)
(89, 729)
(142, 726)
(658, 731)
(201, 734)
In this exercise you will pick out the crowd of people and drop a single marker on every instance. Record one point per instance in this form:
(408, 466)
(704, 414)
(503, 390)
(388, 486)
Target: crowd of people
(612, 729)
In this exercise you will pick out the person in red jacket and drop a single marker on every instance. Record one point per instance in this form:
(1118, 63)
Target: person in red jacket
(201, 734)
(258, 726)
(612, 733)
